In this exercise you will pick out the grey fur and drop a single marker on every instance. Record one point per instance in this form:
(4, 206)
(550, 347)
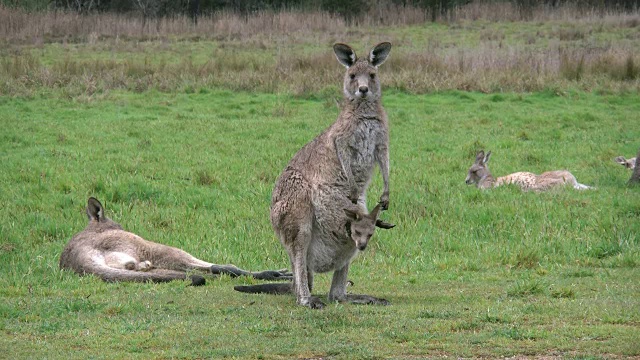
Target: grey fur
(330, 174)
(335, 252)
(106, 250)
(627, 163)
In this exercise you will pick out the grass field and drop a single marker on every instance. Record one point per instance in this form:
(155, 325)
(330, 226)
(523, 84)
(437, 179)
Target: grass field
(184, 150)
(469, 273)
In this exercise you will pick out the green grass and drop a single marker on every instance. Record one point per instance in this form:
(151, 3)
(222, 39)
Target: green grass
(469, 273)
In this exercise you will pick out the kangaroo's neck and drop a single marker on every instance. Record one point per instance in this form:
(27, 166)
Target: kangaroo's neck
(487, 182)
(363, 108)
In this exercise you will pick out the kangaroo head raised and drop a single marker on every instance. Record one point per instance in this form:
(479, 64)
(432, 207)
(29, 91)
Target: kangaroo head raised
(361, 78)
(362, 226)
(628, 163)
(479, 170)
(95, 213)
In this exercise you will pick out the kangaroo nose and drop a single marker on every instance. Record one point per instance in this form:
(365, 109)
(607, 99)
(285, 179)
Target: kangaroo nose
(363, 89)
(362, 247)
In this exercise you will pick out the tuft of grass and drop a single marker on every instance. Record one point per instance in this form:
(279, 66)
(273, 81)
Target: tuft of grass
(526, 288)
(566, 292)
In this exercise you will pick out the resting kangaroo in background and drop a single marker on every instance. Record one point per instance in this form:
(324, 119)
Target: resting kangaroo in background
(480, 175)
(628, 163)
(104, 249)
(335, 252)
(336, 167)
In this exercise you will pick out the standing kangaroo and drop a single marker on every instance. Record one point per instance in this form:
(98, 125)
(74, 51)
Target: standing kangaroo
(308, 200)
(480, 175)
(104, 249)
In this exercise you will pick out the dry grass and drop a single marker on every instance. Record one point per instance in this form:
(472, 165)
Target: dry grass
(290, 51)
(18, 25)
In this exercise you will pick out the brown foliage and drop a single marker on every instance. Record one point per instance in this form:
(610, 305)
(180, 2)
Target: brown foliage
(265, 51)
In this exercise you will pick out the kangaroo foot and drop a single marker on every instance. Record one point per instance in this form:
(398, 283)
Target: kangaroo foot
(363, 300)
(311, 302)
(228, 270)
(283, 275)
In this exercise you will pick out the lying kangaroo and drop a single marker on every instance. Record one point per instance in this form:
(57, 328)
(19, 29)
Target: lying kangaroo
(480, 175)
(104, 249)
(335, 252)
(308, 198)
(627, 163)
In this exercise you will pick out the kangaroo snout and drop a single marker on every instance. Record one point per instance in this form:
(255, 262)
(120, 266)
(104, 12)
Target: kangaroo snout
(363, 89)
(361, 246)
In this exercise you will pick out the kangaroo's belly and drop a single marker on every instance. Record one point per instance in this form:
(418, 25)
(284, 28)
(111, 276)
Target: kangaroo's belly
(330, 251)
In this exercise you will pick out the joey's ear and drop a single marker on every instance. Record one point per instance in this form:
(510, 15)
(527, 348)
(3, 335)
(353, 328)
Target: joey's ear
(345, 54)
(379, 53)
(94, 209)
(479, 157)
(375, 212)
(384, 225)
(353, 215)
(621, 160)
(486, 157)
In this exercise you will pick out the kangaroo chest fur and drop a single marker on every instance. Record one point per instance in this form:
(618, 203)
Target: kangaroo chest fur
(368, 135)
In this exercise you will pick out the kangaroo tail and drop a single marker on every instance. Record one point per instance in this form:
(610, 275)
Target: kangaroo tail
(273, 288)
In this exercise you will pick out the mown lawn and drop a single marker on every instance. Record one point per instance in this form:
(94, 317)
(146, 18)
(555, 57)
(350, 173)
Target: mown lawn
(469, 273)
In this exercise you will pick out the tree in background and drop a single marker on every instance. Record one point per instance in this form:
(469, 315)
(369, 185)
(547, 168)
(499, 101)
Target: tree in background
(350, 10)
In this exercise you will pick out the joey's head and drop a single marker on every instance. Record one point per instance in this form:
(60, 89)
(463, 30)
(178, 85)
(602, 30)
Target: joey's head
(628, 163)
(97, 219)
(361, 226)
(479, 171)
(361, 78)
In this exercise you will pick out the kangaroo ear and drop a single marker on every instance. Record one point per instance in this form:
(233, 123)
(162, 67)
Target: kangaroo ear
(352, 214)
(345, 54)
(486, 157)
(379, 53)
(374, 213)
(94, 209)
(479, 157)
(384, 225)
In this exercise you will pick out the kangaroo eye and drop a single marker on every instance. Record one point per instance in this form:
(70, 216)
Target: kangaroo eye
(352, 76)
(373, 76)
(357, 233)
